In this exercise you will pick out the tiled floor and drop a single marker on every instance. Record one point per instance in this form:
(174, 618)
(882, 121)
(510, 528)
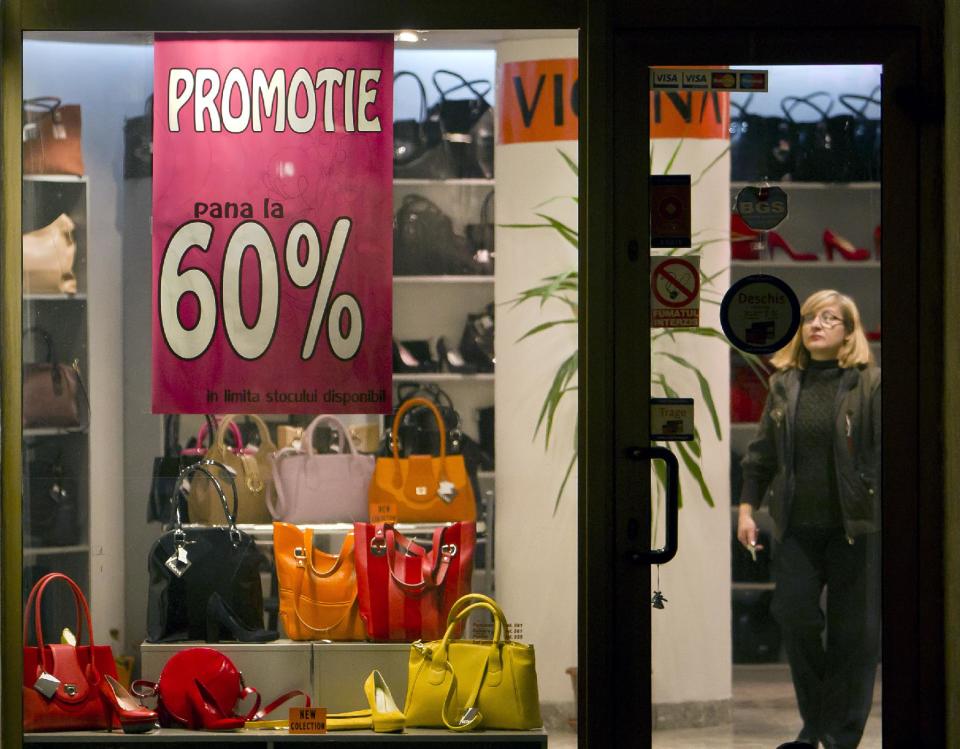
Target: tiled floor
(764, 716)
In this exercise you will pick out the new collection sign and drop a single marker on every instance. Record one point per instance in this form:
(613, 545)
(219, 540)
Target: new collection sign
(272, 224)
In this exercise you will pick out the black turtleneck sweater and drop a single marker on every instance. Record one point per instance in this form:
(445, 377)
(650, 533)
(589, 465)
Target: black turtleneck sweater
(815, 501)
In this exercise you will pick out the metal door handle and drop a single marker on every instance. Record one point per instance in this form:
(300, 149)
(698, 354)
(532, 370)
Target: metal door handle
(667, 552)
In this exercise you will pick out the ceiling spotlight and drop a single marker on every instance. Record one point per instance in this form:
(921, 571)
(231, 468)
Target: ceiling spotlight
(407, 35)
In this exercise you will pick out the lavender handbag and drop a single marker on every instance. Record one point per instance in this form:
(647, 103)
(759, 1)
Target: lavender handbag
(321, 488)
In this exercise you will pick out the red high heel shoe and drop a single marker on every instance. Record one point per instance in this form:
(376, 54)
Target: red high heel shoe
(775, 240)
(834, 242)
(745, 243)
(133, 717)
(211, 716)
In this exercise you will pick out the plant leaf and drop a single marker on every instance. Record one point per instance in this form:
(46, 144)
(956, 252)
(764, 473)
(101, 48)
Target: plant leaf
(710, 166)
(570, 162)
(694, 469)
(563, 484)
(565, 231)
(704, 388)
(673, 157)
(561, 379)
(545, 326)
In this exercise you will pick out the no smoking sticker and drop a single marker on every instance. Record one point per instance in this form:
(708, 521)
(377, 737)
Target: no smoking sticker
(675, 292)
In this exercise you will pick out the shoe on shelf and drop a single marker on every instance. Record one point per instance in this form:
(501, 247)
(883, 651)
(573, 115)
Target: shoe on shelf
(208, 713)
(405, 359)
(220, 616)
(747, 244)
(835, 243)
(451, 360)
(133, 717)
(387, 717)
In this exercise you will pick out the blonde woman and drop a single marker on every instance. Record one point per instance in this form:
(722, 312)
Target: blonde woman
(815, 463)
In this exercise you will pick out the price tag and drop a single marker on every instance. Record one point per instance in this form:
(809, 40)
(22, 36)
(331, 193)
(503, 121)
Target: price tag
(383, 512)
(272, 224)
(308, 720)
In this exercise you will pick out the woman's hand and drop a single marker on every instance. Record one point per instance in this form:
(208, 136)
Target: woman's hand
(747, 527)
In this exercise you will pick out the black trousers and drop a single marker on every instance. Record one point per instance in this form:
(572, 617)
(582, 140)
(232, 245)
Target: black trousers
(833, 680)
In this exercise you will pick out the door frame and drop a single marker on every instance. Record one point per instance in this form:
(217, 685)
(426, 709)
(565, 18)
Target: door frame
(913, 634)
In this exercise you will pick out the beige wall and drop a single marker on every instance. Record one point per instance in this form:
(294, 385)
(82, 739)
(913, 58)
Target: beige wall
(951, 332)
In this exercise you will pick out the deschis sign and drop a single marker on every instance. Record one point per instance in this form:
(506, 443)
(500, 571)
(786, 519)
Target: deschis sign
(272, 224)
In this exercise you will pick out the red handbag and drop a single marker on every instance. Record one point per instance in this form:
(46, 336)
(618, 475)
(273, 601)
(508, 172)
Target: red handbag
(61, 682)
(404, 590)
(199, 688)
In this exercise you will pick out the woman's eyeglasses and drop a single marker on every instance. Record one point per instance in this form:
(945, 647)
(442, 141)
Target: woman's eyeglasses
(827, 319)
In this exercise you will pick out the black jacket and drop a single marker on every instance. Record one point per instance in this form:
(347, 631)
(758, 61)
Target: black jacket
(768, 464)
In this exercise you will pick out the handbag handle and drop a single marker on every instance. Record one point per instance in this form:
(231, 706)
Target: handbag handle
(794, 100)
(171, 435)
(409, 405)
(210, 427)
(742, 108)
(42, 103)
(230, 420)
(46, 338)
(464, 83)
(83, 615)
(423, 91)
(201, 468)
(470, 598)
(867, 100)
(433, 565)
(346, 447)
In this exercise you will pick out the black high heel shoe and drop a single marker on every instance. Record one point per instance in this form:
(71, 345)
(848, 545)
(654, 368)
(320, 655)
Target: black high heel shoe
(451, 360)
(220, 616)
(476, 344)
(405, 360)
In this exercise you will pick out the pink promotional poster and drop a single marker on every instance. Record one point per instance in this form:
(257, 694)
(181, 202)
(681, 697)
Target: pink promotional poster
(272, 224)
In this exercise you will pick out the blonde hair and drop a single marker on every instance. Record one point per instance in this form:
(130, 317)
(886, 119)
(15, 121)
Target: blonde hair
(855, 351)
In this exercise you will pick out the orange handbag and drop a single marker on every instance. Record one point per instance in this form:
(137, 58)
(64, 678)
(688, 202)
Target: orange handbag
(421, 488)
(318, 591)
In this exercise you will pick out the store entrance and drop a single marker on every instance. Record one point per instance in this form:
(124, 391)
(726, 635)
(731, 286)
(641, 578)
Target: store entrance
(755, 276)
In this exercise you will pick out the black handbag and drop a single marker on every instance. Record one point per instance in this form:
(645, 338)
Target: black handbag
(418, 151)
(760, 147)
(50, 508)
(424, 242)
(480, 237)
(138, 143)
(466, 125)
(824, 148)
(189, 565)
(866, 134)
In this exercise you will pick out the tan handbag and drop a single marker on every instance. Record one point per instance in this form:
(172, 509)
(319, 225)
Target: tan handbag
(254, 477)
(318, 591)
(51, 137)
(48, 255)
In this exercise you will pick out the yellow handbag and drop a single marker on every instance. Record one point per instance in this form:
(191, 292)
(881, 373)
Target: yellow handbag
(254, 477)
(470, 684)
(421, 488)
(318, 591)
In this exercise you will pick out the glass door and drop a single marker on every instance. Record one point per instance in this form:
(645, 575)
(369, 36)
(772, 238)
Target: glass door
(751, 280)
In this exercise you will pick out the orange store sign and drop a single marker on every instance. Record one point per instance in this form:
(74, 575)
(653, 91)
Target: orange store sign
(539, 100)
(689, 114)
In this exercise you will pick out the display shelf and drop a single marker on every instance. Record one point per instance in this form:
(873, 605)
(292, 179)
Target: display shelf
(264, 531)
(442, 377)
(813, 265)
(405, 280)
(69, 178)
(81, 297)
(401, 182)
(52, 432)
(179, 737)
(788, 185)
(38, 551)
